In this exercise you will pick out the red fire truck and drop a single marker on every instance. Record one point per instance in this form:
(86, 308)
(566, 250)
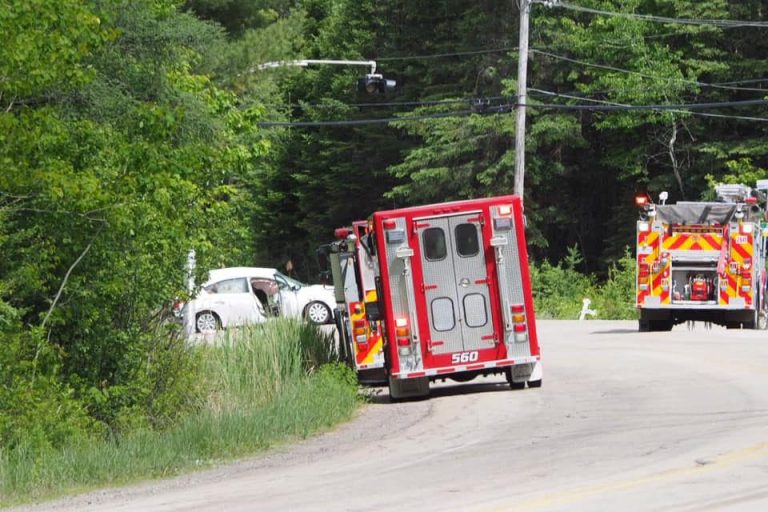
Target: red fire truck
(353, 268)
(703, 260)
(452, 294)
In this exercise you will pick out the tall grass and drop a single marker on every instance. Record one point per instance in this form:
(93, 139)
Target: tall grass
(264, 385)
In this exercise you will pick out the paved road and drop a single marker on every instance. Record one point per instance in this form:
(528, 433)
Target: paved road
(625, 421)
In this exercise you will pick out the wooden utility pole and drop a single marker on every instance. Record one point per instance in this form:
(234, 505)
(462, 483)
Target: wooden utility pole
(522, 76)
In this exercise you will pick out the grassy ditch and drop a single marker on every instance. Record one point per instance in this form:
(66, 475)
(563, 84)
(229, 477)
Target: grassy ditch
(259, 387)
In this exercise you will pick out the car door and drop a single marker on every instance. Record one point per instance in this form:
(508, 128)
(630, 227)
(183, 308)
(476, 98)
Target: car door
(290, 305)
(234, 302)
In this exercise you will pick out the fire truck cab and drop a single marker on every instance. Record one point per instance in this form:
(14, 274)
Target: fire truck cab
(702, 261)
(452, 294)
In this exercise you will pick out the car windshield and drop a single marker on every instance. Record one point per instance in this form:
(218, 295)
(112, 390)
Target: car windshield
(282, 278)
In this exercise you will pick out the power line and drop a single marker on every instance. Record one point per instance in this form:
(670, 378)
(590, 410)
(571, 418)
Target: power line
(646, 75)
(506, 108)
(721, 23)
(695, 113)
(450, 54)
(356, 122)
(680, 106)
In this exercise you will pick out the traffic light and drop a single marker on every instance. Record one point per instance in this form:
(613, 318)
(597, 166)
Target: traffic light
(375, 84)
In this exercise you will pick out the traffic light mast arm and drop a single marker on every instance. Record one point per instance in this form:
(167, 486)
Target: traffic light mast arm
(307, 62)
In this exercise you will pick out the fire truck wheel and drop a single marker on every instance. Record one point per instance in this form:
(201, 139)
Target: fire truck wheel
(317, 313)
(207, 321)
(762, 320)
(534, 383)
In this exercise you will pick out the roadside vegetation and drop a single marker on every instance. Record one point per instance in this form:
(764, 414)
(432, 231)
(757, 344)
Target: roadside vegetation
(559, 290)
(132, 131)
(259, 387)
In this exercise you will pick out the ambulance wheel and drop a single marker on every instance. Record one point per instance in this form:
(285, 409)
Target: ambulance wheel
(408, 388)
(513, 384)
(534, 383)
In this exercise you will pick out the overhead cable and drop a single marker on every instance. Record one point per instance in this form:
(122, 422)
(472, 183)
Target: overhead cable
(646, 75)
(506, 108)
(449, 54)
(355, 122)
(721, 23)
(605, 102)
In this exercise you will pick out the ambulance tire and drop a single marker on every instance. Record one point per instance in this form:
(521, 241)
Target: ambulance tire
(512, 384)
(400, 389)
(534, 383)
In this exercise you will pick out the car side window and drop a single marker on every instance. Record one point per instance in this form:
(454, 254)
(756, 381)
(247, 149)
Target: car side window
(236, 285)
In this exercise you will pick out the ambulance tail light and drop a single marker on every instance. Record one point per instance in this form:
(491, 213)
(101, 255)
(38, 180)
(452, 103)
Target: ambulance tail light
(403, 336)
(518, 320)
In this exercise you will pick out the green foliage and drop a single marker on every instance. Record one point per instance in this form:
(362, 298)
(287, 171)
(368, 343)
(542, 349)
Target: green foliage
(38, 412)
(45, 45)
(263, 386)
(615, 298)
(106, 186)
(558, 290)
(254, 365)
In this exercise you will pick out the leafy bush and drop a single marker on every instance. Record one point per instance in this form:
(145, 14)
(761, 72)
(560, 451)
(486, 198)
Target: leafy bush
(615, 299)
(558, 290)
(38, 412)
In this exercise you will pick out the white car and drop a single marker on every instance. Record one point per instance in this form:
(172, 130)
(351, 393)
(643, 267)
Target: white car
(248, 295)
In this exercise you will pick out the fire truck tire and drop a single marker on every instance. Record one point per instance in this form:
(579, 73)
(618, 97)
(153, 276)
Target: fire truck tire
(762, 320)
(534, 383)
(643, 325)
(317, 313)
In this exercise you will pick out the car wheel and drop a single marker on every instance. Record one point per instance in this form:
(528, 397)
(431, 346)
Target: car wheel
(207, 321)
(317, 313)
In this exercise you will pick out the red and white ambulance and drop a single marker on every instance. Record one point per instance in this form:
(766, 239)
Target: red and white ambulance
(453, 294)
